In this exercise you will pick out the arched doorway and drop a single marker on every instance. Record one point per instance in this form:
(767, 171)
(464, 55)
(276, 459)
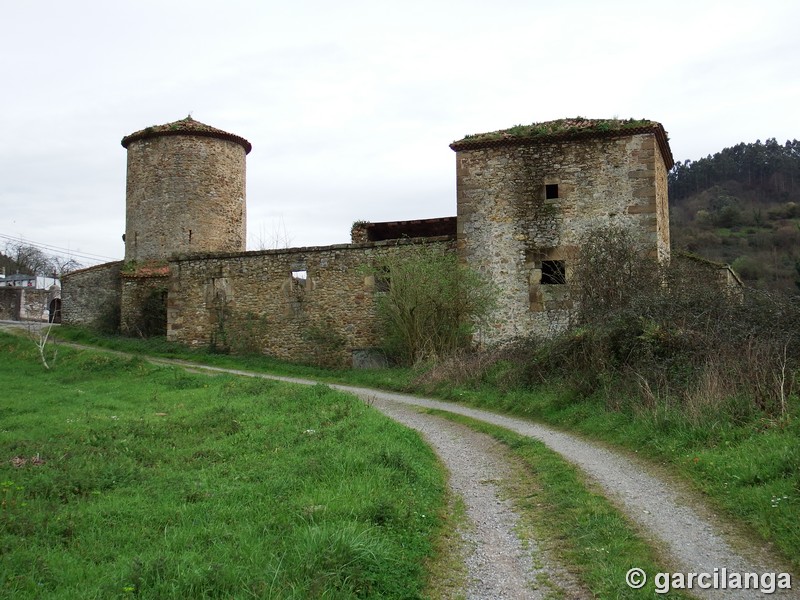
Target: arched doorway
(55, 310)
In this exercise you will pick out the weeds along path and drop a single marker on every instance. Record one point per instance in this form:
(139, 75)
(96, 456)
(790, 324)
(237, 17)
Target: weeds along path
(685, 532)
(498, 565)
(691, 541)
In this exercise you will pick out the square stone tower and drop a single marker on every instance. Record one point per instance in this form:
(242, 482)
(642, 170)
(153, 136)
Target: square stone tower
(528, 195)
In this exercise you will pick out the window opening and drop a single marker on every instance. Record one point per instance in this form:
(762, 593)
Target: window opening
(299, 280)
(551, 191)
(554, 272)
(382, 280)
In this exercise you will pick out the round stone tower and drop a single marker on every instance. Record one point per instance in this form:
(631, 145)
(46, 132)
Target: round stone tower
(185, 191)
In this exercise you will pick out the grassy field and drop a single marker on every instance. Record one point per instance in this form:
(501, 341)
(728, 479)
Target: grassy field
(120, 479)
(749, 467)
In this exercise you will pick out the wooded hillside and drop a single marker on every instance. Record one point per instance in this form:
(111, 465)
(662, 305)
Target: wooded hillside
(742, 206)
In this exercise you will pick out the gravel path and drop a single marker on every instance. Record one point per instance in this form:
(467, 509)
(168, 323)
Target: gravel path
(691, 540)
(685, 532)
(499, 567)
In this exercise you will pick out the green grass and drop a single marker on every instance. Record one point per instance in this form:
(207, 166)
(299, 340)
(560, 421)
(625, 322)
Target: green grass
(747, 467)
(576, 125)
(391, 378)
(121, 479)
(578, 524)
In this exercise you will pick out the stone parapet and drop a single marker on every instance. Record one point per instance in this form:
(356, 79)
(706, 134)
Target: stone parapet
(92, 296)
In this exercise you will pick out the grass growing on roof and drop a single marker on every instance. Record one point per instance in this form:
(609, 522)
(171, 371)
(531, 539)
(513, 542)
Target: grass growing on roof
(571, 126)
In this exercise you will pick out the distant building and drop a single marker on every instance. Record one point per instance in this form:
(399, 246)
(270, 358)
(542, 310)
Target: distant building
(36, 282)
(29, 297)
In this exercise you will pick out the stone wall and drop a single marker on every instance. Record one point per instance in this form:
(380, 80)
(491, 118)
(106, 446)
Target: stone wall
(9, 303)
(143, 303)
(662, 205)
(523, 209)
(24, 304)
(91, 296)
(309, 304)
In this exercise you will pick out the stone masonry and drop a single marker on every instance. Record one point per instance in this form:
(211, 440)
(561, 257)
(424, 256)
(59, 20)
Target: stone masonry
(91, 297)
(308, 304)
(24, 304)
(185, 194)
(185, 191)
(524, 204)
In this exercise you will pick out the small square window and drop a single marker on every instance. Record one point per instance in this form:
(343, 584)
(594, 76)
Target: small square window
(299, 281)
(551, 191)
(554, 272)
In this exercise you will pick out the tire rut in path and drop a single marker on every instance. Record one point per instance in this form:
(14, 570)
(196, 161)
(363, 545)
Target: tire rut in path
(498, 564)
(692, 543)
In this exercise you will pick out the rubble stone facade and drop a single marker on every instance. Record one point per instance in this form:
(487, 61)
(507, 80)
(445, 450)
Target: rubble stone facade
(524, 205)
(91, 297)
(24, 304)
(308, 304)
(185, 191)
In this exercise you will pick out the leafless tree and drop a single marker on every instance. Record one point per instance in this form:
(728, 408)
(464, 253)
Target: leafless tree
(275, 239)
(32, 260)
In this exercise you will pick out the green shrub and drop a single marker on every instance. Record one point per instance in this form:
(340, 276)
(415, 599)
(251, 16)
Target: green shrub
(432, 304)
(669, 336)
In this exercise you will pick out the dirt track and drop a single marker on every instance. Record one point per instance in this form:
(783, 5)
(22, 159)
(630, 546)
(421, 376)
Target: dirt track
(499, 567)
(687, 532)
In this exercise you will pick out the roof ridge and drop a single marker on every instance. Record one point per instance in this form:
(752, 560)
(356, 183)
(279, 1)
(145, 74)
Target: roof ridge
(578, 128)
(187, 126)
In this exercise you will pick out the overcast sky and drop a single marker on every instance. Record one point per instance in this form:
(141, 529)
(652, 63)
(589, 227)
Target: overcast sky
(350, 106)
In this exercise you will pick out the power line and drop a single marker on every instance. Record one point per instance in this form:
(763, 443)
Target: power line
(49, 249)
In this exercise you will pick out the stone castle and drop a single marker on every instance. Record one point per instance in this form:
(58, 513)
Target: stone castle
(525, 198)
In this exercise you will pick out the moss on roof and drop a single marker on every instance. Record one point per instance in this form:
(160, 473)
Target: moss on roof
(187, 126)
(559, 127)
(567, 129)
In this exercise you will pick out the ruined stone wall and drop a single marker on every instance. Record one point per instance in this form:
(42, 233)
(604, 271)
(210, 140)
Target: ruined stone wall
(143, 304)
(309, 304)
(185, 194)
(91, 296)
(662, 206)
(23, 304)
(8, 304)
(523, 210)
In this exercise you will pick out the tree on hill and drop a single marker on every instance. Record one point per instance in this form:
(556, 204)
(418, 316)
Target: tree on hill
(771, 167)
